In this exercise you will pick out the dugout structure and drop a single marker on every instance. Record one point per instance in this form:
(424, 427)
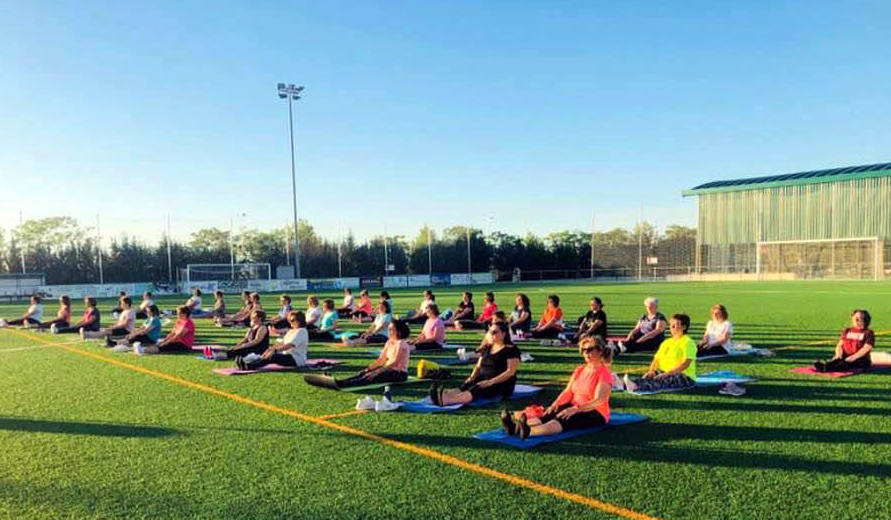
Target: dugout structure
(833, 223)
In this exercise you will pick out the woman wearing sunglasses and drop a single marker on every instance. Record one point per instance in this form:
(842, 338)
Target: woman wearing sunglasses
(494, 375)
(584, 403)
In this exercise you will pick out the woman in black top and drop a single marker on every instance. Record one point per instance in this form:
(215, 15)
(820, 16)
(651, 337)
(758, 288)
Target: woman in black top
(593, 323)
(256, 339)
(466, 310)
(494, 375)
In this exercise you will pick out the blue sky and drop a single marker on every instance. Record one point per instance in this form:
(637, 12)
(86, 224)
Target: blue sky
(520, 116)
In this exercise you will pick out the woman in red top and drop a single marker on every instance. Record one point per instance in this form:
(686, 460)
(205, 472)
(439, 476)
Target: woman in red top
(180, 339)
(584, 403)
(363, 308)
(854, 346)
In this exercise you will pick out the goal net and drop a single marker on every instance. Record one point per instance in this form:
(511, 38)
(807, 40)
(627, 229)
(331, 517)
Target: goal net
(849, 258)
(225, 274)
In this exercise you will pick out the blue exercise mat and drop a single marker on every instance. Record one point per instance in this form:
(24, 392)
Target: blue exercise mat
(427, 406)
(498, 435)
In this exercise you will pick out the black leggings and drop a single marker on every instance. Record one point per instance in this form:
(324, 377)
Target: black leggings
(58, 322)
(502, 390)
(427, 345)
(76, 328)
(840, 365)
(550, 332)
(285, 360)
(716, 350)
(472, 324)
(141, 315)
(244, 351)
(417, 318)
(118, 332)
(139, 338)
(279, 323)
(578, 420)
(635, 345)
(376, 339)
(317, 335)
(384, 376)
(176, 346)
(521, 326)
(21, 321)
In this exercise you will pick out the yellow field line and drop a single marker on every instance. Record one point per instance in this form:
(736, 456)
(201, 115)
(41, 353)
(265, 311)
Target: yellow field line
(404, 446)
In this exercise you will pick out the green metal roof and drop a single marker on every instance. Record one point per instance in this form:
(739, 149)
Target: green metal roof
(794, 179)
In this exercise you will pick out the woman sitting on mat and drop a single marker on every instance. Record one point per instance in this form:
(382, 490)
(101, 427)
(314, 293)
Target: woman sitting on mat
(255, 340)
(593, 323)
(148, 334)
(291, 352)
(31, 317)
(194, 305)
(420, 316)
(376, 333)
(327, 325)
(391, 366)
(521, 317)
(219, 307)
(142, 309)
(465, 310)
(313, 313)
(551, 323)
(584, 403)
(280, 320)
(484, 319)
(852, 352)
(673, 366)
(349, 304)
(63, 316)
(385, 297)
(494, 375)
(649, 331)
(89, 320)
(363, 310)
(180, 339)
(241, 315)
(718, 334)
(122, 327)
(432, 336)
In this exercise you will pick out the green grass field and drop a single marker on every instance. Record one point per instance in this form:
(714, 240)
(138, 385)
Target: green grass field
(86, 438)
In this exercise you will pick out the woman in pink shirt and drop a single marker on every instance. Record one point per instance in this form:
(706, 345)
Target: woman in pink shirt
(584, 403)
(432, 336)
(390, 367)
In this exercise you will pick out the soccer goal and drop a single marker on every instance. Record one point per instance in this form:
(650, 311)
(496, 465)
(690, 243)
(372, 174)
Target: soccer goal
(845, 258)
(225, 273)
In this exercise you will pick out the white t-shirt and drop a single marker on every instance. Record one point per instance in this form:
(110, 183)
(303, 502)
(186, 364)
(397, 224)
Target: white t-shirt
(381, 321)
(424, 304)
(145, 304)
(36, 311)
(349, 302)
(714, 330)
(298, 339)
(126, 319)
(195, 303)
(313, 314)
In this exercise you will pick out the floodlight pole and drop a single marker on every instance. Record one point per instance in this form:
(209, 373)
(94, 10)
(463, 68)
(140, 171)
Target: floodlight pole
(469, 268)
(292, 93)
(429, 254)
(99, 250)
(169, 259)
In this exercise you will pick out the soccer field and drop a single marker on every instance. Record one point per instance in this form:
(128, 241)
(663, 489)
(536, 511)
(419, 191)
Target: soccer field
(86, 433)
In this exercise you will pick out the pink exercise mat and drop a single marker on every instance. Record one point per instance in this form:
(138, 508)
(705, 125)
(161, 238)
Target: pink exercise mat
(311, 364)
(809, 371)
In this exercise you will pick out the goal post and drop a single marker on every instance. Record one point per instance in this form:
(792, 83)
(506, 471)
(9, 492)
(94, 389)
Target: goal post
(842, 258)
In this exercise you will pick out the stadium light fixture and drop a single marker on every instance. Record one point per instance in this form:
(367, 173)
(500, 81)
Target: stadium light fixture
(292, 93)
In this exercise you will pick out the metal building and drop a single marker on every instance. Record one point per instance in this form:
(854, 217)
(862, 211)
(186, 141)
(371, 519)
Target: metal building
(816, 224)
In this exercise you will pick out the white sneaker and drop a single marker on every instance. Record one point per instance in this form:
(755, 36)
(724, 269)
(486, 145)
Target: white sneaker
(732, 389)
(250, 358)
(462, 354)
(4, 323)
(121, 348)
(138, 349)
(83, 337)
(525, 357)
(618, 384)
(54, 329)
(386, 405)
(365, 403)
(629, 384)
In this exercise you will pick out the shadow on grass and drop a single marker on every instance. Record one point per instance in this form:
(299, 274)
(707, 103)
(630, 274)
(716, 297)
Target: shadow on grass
(83, 428)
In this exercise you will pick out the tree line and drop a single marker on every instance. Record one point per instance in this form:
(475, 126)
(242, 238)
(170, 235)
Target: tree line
(67, 253)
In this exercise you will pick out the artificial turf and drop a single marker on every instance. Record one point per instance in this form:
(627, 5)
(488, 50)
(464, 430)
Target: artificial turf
(82, 438)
